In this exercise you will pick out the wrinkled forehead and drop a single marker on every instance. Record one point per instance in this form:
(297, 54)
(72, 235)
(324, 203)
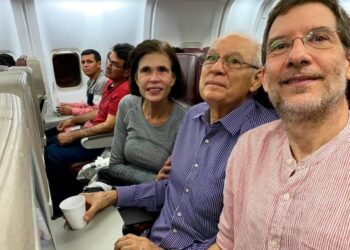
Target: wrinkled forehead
(234, 44)
(301, 19)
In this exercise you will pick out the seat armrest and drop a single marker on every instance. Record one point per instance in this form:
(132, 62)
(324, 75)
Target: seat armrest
(97, 141)
(137, 220)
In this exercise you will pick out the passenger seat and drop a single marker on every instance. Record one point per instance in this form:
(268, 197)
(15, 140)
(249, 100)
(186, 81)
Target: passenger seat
(191, 70)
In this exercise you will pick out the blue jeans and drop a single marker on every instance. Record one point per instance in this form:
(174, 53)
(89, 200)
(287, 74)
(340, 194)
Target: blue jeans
(58, 159)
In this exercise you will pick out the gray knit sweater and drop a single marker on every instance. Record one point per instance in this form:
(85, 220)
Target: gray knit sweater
(140, 149)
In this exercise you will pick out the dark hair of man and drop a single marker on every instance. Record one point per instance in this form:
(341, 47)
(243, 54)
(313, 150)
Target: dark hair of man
(283, 6)
(7, 60)
(97, 55)
(156, 46)
(123, 50)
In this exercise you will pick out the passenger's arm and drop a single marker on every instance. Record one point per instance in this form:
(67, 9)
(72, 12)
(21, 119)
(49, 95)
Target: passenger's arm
(97, 201)
(84, 109)
(77, 120)
(81, 119)
(149, 195)
(75, 108)
(164, 171)
(133, 242)
(64, 109)
(102, 128)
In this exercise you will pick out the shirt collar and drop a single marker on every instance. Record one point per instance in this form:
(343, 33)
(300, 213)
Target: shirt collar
(233, 121)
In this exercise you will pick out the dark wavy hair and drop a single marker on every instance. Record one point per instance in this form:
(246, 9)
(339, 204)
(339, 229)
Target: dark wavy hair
(283, 6)
(156, 46)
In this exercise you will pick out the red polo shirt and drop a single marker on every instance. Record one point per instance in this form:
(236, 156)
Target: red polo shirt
(110, 99)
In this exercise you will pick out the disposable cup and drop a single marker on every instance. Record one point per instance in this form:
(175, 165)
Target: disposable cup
(73, 209)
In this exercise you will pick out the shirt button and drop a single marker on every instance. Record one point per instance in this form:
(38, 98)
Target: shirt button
(196, 165)
(289, 161)
(286, 196)
(187, 190)
(179, 214)
(174, 230)
(274, 243)
(206, 141)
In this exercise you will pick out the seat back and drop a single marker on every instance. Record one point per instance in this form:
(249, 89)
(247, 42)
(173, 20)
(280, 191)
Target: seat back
(38, 79)
(18, 221)
(15, 82)
(35, 100)
(38, 84)
(191, 69)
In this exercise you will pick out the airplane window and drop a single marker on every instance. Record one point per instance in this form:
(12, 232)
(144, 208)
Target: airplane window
(67, 69)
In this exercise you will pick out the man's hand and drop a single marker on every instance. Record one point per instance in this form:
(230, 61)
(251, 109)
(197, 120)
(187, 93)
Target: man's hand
(66, 123)
(97, 201)
(164, 171)
(64, 109)
(66, 138)
(214, 247)
(131, 241)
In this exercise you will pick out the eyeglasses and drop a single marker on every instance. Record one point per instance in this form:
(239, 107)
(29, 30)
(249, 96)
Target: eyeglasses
(229, 61)
(114, 63)
(317, 39)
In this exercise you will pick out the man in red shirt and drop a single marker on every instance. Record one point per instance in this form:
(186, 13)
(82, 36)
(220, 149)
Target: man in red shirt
(65, 148)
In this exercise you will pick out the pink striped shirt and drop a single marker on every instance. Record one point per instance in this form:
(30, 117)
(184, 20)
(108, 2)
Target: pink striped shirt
(272, 202)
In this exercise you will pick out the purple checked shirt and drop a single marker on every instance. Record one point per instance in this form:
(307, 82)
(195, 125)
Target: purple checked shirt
(191, 199)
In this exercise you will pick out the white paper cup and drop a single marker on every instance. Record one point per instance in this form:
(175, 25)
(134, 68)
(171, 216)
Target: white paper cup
(73, 209)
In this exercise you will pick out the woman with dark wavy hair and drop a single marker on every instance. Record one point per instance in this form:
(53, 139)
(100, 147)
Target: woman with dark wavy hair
(149, 118)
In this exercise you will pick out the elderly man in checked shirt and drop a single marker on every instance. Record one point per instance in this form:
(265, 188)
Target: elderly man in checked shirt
(288, 182)
(190, 201)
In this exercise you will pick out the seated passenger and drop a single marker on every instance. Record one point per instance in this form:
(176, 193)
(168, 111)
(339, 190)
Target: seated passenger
(65, 148)
(287, 184)
(91, 66)
(190, 200)
(148, 120)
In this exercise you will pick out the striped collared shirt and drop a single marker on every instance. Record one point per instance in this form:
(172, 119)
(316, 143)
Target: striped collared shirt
(273, 202)
(191, 199)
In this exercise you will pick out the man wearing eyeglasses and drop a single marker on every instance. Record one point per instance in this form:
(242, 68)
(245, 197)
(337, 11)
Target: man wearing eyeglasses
(190, 201)
(65, 148)
(287, 183)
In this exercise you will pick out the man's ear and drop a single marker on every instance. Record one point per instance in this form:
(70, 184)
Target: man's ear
(255, 82)
(126, 73)
(263, 80)
(348, 64)
(99, 64)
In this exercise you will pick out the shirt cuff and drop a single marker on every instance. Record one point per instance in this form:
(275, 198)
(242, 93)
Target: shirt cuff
(125, 194)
